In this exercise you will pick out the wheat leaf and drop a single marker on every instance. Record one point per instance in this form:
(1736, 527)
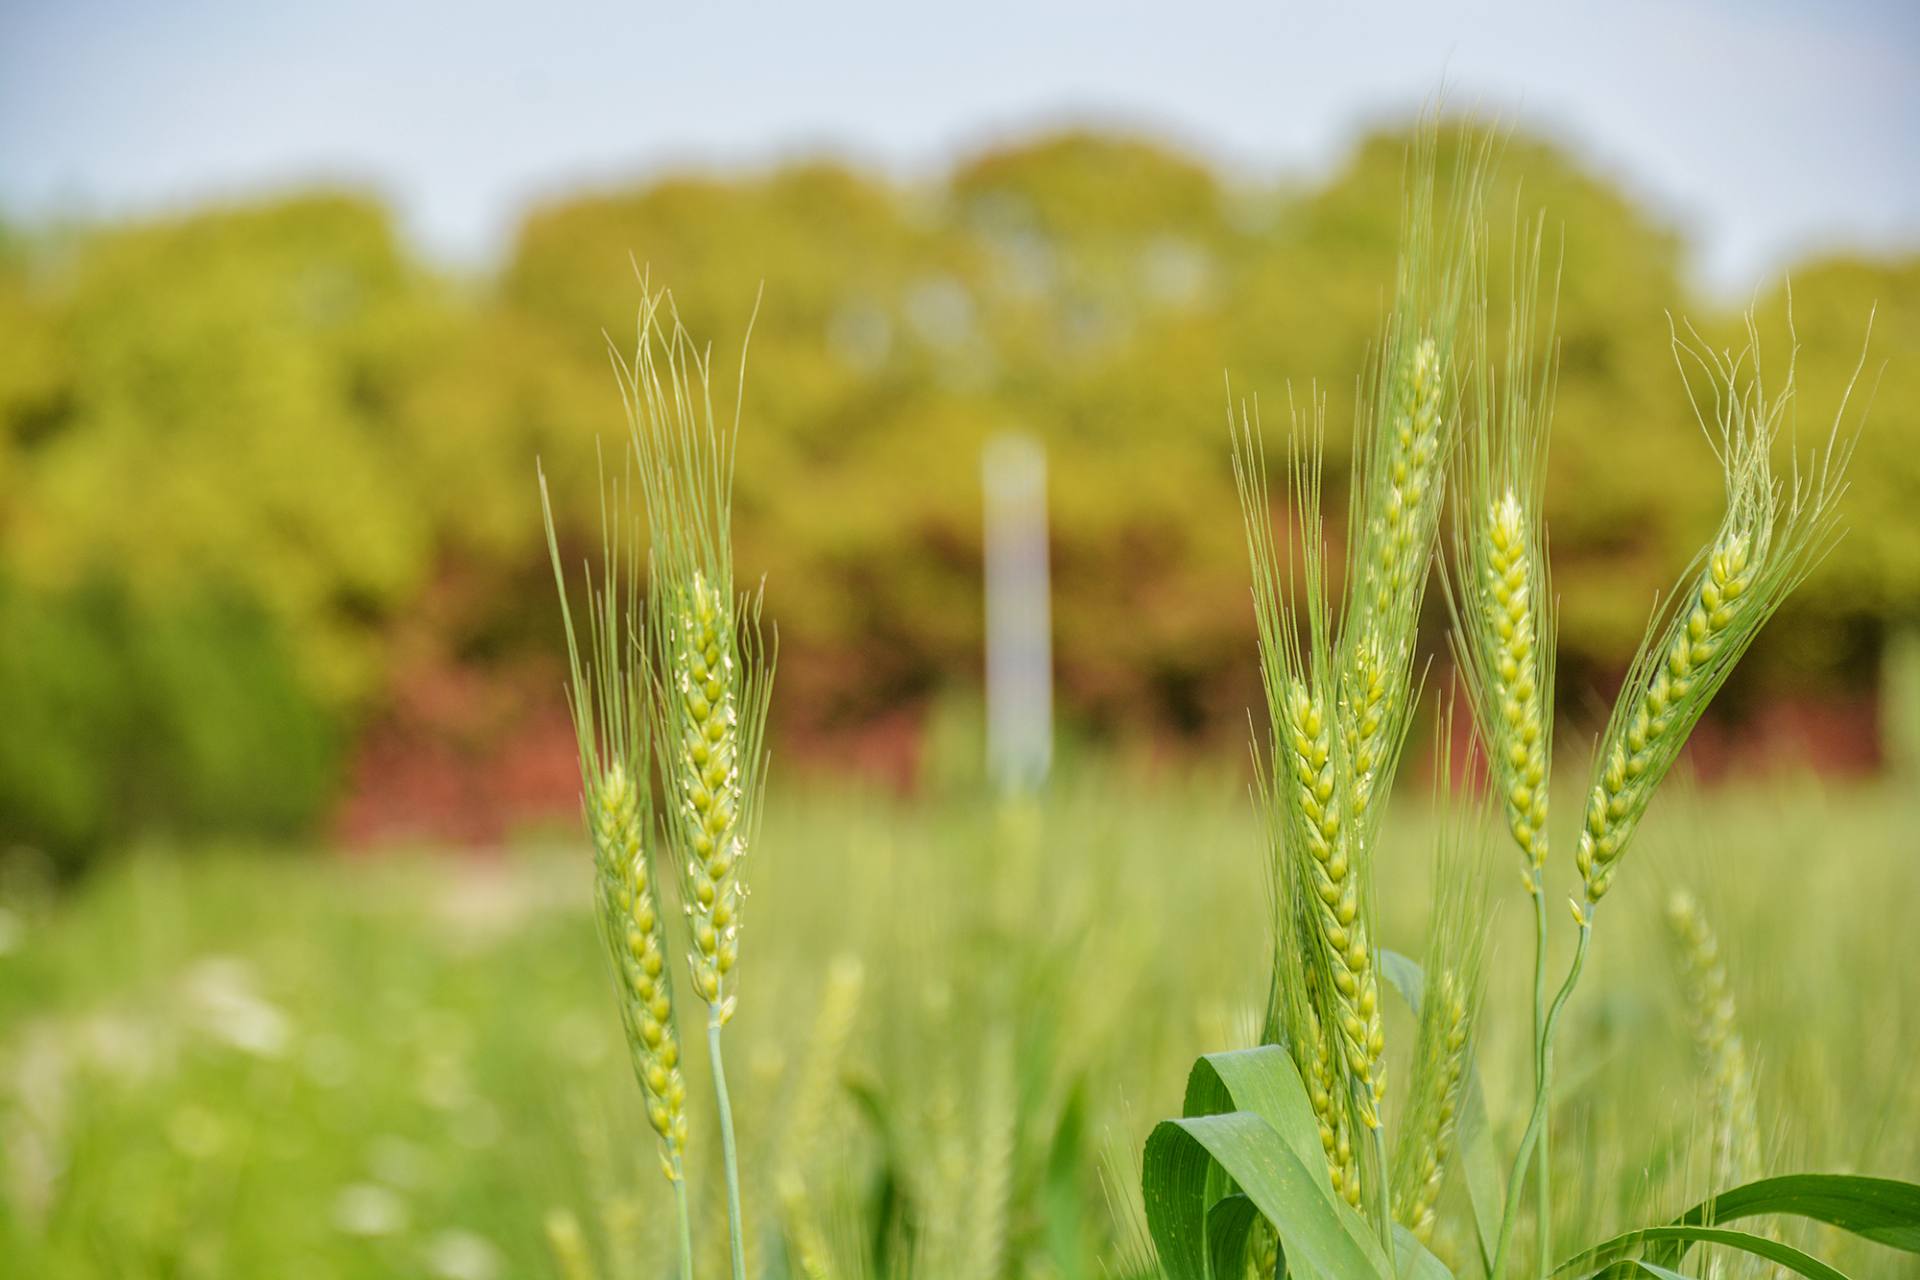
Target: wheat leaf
(1606, 1255)
(1294, 1197)
(1229, 1227)
(1883, 1210)
(1413, 1260)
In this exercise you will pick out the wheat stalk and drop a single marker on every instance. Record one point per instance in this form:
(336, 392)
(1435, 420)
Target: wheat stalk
(1499, 599)
(1293, 1017)
(1326, 991)
(1498, 595)
(607, 699)
(1772, 534)
(1441, 1053)
(1307, 765)
(1338, 706)
(713, 674)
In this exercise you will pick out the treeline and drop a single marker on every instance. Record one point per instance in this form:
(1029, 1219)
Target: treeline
(266, 479)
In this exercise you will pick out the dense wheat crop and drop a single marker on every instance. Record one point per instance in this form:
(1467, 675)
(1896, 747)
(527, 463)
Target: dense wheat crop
(231, 1066)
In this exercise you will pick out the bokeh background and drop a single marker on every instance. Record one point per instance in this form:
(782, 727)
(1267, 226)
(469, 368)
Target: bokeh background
(291, 299)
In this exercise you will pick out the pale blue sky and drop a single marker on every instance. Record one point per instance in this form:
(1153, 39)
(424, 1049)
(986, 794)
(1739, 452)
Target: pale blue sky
(1762, 129)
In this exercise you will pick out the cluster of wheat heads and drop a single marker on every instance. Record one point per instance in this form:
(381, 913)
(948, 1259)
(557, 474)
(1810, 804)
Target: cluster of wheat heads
(683, 698)
(1339, 701)
(1280, 1163)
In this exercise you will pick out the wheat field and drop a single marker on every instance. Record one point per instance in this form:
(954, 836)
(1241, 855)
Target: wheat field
(960, 1022)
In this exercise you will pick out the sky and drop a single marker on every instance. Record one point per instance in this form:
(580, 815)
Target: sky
(1762, 130)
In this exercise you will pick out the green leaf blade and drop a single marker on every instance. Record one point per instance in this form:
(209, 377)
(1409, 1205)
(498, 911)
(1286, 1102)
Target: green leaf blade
(1883, 1210)
(1602, 1259)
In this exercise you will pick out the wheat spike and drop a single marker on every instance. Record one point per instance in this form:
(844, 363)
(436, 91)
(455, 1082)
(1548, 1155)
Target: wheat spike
(1408, 421)
(1307, 777)
(568, 1245)
(1773, 532)
(1502, 613)
(714, 676)
(808, 1105)
(1443, 1050)
(1723, 1053)
(607, 699)
(1324, 1092)
(1333, 894)
(1428, 1140)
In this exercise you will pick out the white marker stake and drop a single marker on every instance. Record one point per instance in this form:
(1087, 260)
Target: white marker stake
(1019, 616)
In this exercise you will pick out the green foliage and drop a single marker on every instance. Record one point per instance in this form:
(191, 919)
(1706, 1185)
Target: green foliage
(274, 400)
(1218, 1185)
(183, 716)
(1248, 1130)
(442, 1042)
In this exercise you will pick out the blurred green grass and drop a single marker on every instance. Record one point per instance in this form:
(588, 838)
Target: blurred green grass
(246, 1065)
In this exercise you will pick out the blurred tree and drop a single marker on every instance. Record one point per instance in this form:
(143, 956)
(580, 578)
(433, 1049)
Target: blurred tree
(221, 412)
(258, 451)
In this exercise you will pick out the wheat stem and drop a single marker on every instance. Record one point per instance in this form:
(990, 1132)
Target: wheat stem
(735, 1235)
(607, 687)
(1542, 1069)
(1382, 1204)
(686, 1228)
(1516, 1179)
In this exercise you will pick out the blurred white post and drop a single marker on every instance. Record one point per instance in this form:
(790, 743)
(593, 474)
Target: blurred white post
(1013, 472)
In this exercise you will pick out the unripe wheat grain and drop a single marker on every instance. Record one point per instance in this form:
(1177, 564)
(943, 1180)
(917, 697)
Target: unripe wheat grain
(713, 678)
(1323, 1080)
(1502, 633)
(1449, 1002)
(1402, 503)
(1521, 740)
(630, 919)
(1427, 1141)
(607, 699)
(703, 680)
(1333, 891)
(1771, 536)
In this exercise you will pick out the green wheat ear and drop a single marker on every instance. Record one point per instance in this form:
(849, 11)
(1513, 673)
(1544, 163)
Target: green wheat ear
(607, 697)
(1499, 594)
(713, 673)
(1443, 1046)
(1406, 427)
(1773, 533)
(1735, 1137)
(1326, 991)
